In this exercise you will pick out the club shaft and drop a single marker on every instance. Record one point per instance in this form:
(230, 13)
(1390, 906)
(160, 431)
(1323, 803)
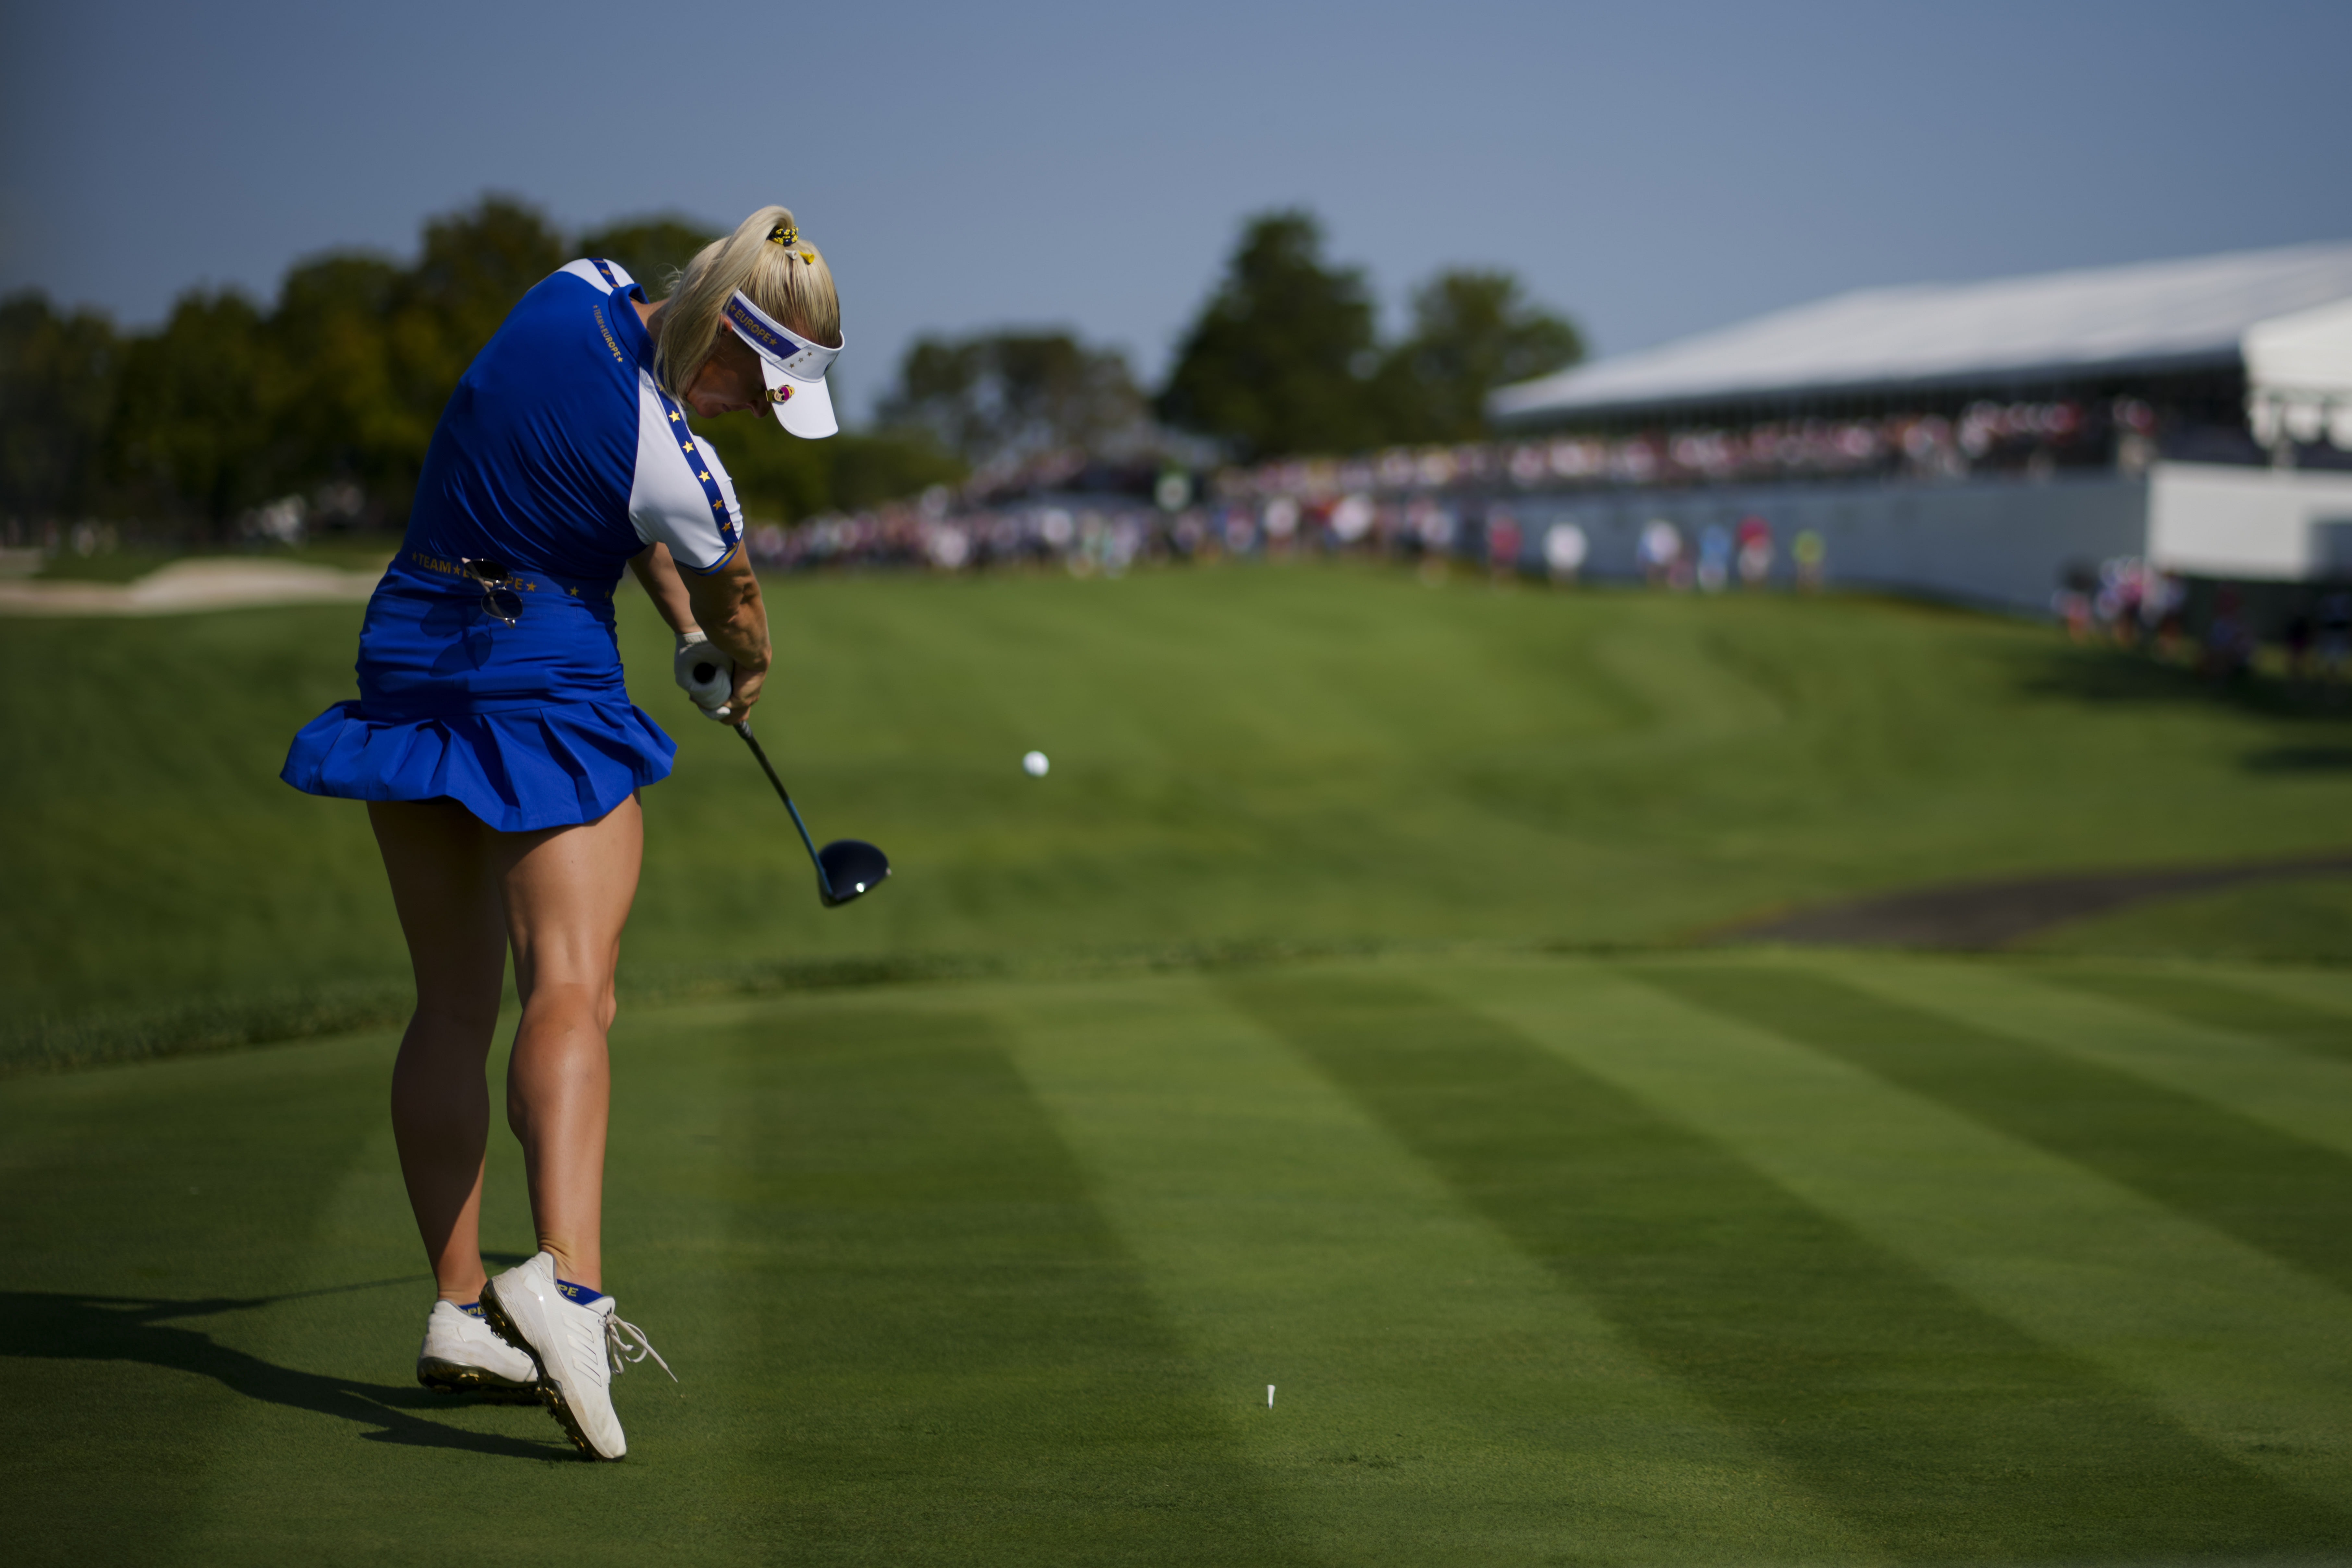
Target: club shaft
(744, 730)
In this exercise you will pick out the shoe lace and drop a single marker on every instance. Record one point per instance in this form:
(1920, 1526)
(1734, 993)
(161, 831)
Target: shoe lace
(618, 1333)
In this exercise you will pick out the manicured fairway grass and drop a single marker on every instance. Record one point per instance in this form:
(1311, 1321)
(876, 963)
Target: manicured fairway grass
(2299, 922)
(1661, 1259)
(1316, 756)
(1561, 1241)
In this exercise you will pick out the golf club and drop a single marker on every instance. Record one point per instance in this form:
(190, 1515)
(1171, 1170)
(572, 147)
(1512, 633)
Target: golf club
(847, 868)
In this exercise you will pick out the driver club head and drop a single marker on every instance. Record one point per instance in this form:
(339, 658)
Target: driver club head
(852, 867)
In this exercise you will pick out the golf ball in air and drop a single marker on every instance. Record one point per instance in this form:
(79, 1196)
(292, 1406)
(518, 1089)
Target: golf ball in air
(1035, 765)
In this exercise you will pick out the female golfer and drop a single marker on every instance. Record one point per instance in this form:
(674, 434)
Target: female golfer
(500, 756)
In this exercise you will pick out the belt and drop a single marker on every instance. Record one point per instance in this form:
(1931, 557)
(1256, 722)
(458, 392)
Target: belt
(443, 573)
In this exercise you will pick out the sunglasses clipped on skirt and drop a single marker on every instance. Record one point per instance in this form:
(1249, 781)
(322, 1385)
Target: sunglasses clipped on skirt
(501, 589)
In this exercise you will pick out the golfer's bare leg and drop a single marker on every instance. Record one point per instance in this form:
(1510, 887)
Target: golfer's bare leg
(437, 856)
(567, 895)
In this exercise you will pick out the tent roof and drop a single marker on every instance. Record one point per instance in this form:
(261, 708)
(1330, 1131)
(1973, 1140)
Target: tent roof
(2152, 316)
(2308, 352)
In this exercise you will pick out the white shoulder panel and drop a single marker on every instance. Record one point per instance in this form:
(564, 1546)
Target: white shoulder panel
(585, 270)
(668, 503)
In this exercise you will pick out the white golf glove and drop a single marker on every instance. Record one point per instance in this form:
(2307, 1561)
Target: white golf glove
(704, 674)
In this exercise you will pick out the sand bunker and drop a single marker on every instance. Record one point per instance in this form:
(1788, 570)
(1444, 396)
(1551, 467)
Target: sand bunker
(188, 586)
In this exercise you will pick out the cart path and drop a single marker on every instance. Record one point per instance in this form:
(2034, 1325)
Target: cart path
(1980, 915)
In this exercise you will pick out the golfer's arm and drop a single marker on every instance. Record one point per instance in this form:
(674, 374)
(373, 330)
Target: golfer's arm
(658, 573)
(727, 607)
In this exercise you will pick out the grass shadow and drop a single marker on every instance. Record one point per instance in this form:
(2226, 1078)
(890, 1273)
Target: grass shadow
(2320, 759)
(1981, 917)
(2109, 675)
(66, 1326)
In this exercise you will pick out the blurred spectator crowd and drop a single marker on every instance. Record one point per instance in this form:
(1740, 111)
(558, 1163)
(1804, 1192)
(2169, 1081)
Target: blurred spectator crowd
(1060, 506)
(1986, 436)
(1099, 533)
(2219, 629)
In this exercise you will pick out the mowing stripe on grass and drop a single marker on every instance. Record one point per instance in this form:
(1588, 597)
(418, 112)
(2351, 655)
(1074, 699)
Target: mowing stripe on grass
(2243, 1007)
(954, 1358)
(2306, 1098)
(2252, 1354)
(2234, 1007)
(1442, 1399)
(152, 1217)
(2329, 990)
(1941, 1430)
(2291, 1198)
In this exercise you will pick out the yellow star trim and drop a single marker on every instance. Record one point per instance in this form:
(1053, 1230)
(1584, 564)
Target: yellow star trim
(674, 416)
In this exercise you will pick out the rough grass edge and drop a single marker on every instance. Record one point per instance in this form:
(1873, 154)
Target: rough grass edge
(57, 1043)
(63, 1044)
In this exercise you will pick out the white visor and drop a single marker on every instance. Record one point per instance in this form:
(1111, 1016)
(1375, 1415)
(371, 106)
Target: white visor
(793, 367)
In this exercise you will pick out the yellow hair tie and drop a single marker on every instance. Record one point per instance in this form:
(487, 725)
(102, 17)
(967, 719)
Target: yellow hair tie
(785, 235)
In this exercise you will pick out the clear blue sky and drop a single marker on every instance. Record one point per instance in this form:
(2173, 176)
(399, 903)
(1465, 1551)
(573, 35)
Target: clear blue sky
(1651, 169)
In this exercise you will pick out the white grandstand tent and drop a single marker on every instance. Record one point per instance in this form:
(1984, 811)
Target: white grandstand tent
(2153, 318)
(2299, 377)
(2245, 358)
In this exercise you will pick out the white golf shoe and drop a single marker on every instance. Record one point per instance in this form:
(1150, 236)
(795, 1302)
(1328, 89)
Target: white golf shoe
(461, 1354)
(579, 1348)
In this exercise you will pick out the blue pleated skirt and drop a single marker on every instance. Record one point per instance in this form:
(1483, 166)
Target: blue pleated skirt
(528, 726)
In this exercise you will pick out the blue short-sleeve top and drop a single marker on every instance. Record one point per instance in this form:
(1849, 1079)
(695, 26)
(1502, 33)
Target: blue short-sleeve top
(560, 453)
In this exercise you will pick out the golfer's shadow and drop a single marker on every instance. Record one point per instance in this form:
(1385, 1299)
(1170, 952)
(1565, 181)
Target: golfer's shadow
(64, 1327)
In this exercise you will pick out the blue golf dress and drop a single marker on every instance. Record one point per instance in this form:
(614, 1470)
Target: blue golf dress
(558, 459)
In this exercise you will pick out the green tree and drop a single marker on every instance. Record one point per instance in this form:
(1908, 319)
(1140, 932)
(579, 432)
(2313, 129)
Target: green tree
(226, 405)
(654, 249)
(1472, 331)
(190, 427)
(782, 478)
(870, 470)
(477, 264)
(58, 377)
(339, 408)
(1008, 394)
(1281, 357)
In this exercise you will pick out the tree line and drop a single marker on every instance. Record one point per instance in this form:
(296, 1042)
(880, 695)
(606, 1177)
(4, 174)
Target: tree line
(331, 391)
(1284, 357)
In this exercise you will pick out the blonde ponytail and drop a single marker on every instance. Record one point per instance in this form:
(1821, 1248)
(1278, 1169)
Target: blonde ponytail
(765, 258)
